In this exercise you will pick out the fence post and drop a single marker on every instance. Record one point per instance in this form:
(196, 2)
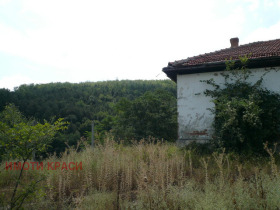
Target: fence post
(34, 152)
(92, 134)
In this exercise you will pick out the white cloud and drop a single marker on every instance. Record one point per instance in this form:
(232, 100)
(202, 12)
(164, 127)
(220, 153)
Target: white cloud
(269, 3)
(254, 5)
(263, 34)
(16, 80)
(100, 40)
(103, 36)
(4, 2)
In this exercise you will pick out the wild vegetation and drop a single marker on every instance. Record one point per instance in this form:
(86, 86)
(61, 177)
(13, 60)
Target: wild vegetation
(152, 175)
(147, 174)
(104, 103)
(19, 139)
(128, 168)
(246, 114)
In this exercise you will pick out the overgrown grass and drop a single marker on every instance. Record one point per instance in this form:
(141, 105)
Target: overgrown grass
(153, 175)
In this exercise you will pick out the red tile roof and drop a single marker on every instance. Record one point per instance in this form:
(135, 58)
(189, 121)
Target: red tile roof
(262, 49)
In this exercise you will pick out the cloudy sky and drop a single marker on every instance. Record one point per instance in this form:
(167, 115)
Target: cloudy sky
(44, 41)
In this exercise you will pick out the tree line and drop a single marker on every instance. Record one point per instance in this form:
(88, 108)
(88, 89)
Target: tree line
(128, 109)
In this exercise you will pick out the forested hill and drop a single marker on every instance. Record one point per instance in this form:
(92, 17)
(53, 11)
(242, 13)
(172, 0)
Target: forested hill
(81, 103)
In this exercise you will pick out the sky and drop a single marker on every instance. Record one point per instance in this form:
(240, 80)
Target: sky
(43, 41)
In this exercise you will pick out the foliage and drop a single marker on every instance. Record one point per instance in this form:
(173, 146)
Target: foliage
(19, 138)
(151, 115)
(79, 104)
(246, 114)
(156, 175)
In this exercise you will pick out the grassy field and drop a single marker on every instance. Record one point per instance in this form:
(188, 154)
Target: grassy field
(152, 175)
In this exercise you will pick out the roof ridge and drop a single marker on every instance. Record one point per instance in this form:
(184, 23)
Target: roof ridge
(241, 49)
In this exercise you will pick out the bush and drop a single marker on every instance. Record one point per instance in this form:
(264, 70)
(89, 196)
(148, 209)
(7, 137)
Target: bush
(246, 114)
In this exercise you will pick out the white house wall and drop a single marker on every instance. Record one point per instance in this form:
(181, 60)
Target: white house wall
(194, 118)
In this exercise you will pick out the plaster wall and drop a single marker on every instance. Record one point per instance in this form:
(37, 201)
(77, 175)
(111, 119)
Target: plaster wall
(194, 118)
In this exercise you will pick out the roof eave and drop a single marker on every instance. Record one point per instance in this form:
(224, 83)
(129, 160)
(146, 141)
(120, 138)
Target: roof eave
(173, 71)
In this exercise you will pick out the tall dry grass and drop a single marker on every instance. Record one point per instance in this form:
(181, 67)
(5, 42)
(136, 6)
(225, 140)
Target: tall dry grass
(156, 175)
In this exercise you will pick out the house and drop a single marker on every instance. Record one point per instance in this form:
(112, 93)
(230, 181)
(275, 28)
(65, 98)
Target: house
(194, 118)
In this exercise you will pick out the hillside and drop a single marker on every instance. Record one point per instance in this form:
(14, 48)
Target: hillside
(81, 103)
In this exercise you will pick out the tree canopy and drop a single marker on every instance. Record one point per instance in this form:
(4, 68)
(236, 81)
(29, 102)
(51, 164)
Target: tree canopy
(82, 103)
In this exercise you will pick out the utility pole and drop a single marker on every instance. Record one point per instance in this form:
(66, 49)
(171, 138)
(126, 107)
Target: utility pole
(92, 134)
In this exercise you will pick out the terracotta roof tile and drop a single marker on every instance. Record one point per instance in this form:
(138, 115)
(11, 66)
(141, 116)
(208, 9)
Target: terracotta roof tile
(255, 50)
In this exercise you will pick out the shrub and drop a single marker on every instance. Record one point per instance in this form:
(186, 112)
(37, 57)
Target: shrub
(246, 114)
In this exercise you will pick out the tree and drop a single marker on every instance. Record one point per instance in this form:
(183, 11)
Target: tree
(78, 104)
(151, 115)
(19, 138)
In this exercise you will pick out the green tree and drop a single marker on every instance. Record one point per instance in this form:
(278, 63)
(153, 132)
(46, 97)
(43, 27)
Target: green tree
(79, 104)
(151, 115)
(19, 138)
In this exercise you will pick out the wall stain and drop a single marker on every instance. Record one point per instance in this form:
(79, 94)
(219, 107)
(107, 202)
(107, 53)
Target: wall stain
(199, 133)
